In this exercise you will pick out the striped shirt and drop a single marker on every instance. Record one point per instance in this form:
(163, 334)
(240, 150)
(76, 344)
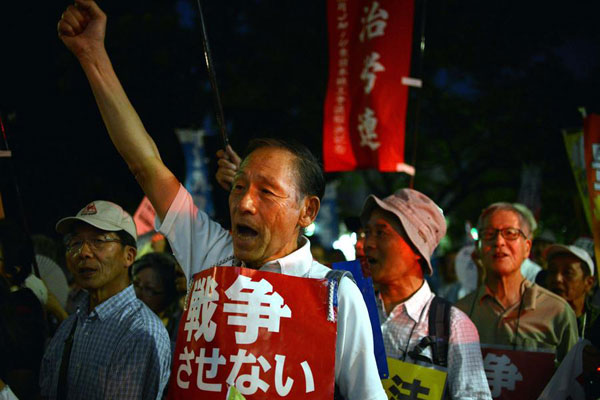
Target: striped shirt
(121, 350)
(408, 323)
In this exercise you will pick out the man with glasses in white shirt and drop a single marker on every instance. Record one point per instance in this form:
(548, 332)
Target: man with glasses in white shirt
(113, 346)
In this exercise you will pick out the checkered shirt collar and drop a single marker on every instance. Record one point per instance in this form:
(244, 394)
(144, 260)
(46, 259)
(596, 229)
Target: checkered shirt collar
(414, 305)
(108, 307)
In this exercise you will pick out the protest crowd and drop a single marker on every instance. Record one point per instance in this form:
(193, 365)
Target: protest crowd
(194, 310)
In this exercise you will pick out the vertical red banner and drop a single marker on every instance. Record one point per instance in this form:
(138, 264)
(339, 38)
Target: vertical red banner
(370, 46)
(591, 143)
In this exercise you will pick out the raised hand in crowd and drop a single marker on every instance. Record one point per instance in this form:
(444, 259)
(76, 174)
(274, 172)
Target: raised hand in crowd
(229, 162)
(82, 28)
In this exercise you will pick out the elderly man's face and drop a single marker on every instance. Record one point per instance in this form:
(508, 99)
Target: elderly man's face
(97, 259)
(501, 256)
(387, 249)
(567, 279)
(265, 207)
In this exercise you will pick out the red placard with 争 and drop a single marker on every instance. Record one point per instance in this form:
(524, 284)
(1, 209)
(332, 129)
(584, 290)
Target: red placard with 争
(265, 333)
(516, 374)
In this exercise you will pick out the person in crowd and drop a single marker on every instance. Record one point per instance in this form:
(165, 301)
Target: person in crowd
(23, 329)
(402, 232)
(275, 194)
(578, 376)
(539, 244)
(113, 346)
(17, 241)
(53, 277)
(469, 272)
(509, 309)
(571, 276)
(154, 281)
(529, 268)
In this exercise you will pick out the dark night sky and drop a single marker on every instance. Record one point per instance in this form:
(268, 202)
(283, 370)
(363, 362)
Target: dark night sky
(502, 79)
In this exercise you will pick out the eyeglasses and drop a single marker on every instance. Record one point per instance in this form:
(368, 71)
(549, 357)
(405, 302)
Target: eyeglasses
(96, 244)
(149, 292)
(507, 233)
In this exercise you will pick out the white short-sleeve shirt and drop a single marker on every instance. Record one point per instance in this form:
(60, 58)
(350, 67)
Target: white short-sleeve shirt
(200, 243)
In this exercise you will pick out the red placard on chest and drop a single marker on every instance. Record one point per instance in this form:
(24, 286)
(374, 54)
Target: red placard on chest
(265, 333)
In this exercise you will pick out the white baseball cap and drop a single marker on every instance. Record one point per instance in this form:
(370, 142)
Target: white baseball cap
(574, 250)
(103, 215)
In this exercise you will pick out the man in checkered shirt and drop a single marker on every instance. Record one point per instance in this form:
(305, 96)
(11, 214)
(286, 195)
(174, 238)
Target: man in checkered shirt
(113, 346)
(402, 231)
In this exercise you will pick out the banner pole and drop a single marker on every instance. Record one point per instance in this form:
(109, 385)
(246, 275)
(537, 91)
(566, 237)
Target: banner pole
(420, 93)
(213, 80)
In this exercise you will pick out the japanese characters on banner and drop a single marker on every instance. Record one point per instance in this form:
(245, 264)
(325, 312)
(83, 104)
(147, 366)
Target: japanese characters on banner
(591, 140)
(365, 107)
(256, 331)
(516, 374)
(411, 381)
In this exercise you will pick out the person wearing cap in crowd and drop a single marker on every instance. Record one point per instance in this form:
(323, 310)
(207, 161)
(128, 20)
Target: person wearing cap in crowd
(275, 194)
(571, 276)
(508, 309)
(113, 346)
(402, 231)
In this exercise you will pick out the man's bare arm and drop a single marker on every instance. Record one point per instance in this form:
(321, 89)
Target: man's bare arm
(82, 28)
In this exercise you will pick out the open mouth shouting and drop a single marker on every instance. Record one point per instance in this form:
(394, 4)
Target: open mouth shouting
(86, 272)
(557, 290)
(244, 234)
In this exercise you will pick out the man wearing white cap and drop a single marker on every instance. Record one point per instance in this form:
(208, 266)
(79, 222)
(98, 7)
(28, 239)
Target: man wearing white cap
(402, 231)
(571, 276)
(113, 346)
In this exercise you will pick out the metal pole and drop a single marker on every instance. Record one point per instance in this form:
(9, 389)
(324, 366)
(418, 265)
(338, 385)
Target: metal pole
(420, 93)
(213, 80)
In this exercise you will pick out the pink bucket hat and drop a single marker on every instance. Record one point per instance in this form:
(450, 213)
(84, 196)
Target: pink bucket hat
(420, 217)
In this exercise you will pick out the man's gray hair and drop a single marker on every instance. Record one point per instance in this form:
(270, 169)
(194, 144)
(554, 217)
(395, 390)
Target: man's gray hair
(524, 223)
